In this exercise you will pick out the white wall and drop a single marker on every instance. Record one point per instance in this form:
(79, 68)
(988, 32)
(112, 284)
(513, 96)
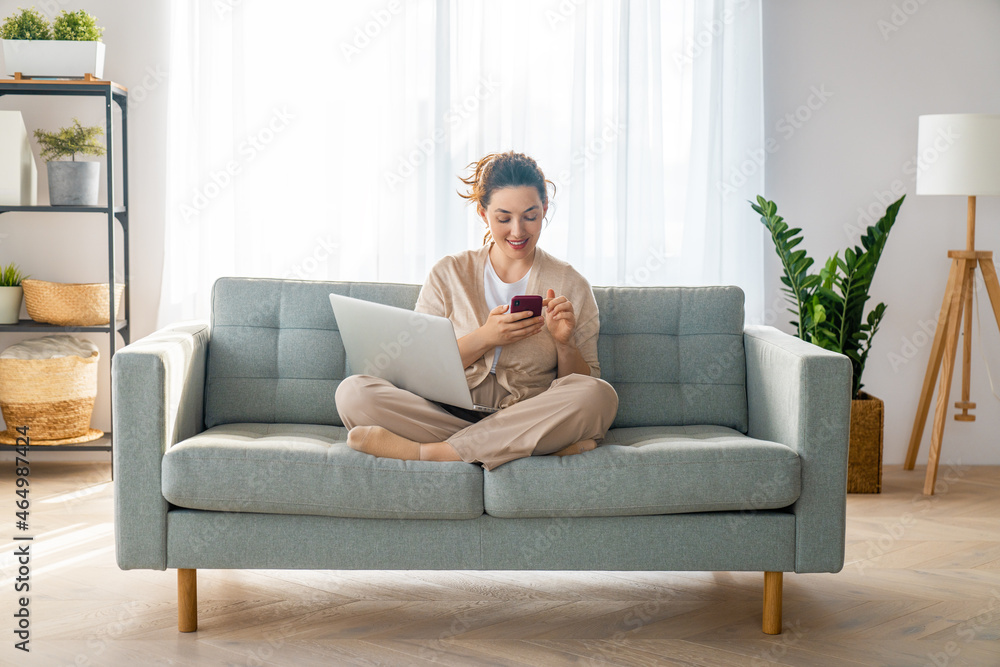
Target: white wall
(73, 248)
(883, 64)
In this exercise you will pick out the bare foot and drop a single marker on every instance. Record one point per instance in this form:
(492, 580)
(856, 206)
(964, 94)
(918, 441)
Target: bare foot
(576, 448)
(378, 441)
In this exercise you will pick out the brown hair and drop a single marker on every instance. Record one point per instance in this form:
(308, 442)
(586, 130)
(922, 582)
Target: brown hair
(503, 170)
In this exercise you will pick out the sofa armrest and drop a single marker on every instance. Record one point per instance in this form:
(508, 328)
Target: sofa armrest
(157, 400)
(799, 395)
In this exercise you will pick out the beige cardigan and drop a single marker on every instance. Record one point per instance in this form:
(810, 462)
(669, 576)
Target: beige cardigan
(454, 289)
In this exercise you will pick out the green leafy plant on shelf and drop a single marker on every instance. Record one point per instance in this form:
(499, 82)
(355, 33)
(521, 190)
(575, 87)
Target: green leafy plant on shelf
(10, 275)
(829, 306)
(25, 24)
(78, 26)
(68, 141)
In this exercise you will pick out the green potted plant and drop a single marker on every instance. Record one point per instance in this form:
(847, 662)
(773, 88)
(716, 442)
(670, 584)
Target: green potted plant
(829, 310)
(10, 293)
(72, 183)
(70, 48)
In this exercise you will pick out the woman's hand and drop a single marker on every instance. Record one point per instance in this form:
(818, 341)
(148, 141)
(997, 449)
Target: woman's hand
(503, 328)
(559, 317)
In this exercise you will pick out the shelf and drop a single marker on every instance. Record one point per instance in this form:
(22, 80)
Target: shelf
(61, 87)
(60, 209)
(113, 94)
(62, 83)
(92, 446)
(62, 448)
(27, 326)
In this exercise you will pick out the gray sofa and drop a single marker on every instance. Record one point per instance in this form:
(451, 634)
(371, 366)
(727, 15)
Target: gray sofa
(729, 451)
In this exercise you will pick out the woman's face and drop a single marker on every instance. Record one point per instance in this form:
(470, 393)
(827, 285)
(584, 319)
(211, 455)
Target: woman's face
(515, 220)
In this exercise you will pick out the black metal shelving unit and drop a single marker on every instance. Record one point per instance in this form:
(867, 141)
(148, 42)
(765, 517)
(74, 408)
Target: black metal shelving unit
(112, 93)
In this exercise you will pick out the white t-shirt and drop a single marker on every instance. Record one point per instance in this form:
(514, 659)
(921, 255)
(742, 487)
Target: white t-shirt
(498, 292)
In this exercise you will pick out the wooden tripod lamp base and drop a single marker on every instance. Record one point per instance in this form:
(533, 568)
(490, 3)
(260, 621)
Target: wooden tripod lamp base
(961, 154)
(957, 305)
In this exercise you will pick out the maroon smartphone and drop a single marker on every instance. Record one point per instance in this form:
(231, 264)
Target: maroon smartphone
(531, 302)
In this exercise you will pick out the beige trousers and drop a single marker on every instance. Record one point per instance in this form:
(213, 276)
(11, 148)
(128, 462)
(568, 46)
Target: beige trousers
(575, 407)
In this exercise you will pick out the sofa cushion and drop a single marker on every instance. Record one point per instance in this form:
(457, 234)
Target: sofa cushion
(276, 354)
(648, 470)
(674, 355)
(309, 469)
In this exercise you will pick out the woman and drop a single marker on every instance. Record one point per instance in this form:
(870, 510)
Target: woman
(542, 371)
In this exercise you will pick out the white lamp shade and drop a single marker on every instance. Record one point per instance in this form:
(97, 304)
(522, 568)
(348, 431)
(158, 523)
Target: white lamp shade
(958, 154)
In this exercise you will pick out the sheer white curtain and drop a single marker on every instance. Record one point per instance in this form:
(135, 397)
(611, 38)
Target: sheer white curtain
(326, 143)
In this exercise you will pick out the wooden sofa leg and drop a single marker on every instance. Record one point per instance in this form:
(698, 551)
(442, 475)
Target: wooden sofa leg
(772, 603)
(187, 600)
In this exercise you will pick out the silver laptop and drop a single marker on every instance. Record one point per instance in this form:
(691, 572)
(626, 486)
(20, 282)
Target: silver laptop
(414, 351)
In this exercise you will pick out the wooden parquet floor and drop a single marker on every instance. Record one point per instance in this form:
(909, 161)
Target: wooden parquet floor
(921, 587)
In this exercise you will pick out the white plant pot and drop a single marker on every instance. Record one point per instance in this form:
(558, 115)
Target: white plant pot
(53, 58)
(10, 304)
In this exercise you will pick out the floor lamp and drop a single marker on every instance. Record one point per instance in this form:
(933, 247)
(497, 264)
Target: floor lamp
(959, 154)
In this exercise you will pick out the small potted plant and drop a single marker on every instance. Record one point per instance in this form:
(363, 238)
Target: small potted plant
(70, 48)
(72, 183)
(10, 293)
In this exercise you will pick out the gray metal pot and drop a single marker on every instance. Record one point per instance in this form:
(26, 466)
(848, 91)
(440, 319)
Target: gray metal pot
(74, 183)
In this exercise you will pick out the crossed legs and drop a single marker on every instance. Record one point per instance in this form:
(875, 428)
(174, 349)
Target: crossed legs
(569, 418)
(379, 441)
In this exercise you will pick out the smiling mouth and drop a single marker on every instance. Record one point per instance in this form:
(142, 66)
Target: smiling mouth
(519, 244)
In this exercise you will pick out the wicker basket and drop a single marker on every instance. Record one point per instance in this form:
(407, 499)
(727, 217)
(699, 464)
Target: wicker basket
(54, 398)
(864, 459)
(69, 304)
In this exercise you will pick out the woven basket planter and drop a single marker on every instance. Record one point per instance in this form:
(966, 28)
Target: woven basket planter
(864, 457)
(69, 304)
(54, 398)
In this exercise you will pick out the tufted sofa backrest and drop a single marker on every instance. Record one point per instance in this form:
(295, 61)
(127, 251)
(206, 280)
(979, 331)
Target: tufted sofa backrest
(674, 354)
